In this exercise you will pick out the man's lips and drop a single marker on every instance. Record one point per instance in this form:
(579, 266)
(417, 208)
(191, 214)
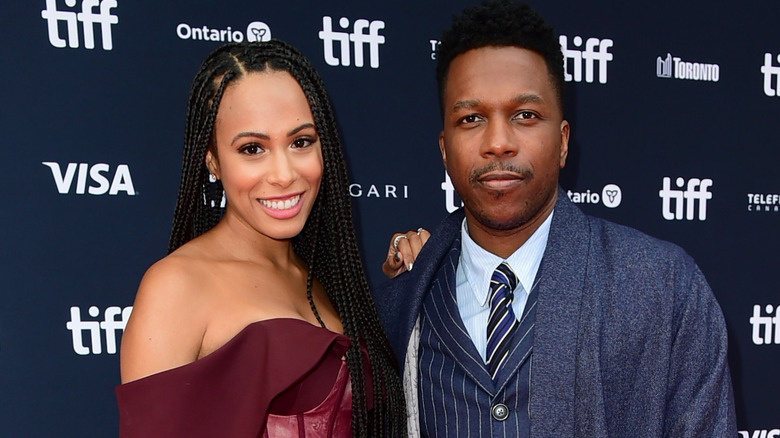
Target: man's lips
(500, 179)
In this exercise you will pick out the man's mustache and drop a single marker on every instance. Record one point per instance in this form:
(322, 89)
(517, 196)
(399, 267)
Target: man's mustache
(476, 175)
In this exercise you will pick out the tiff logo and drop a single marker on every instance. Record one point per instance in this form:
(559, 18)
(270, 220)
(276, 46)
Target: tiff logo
(358, 38)
(109, 325)
(451, 200)
(771, 72)
(121, 182)
(88, 18)
(595, 50)
(697, 189)
(764, 326)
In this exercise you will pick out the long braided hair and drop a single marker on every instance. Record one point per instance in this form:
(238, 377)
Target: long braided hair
(327, 242)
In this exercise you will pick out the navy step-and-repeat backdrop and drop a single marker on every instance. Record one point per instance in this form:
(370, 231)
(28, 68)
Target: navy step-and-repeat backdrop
(674, 109)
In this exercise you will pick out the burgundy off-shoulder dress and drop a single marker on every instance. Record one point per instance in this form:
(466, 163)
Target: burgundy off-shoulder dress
(280, 377)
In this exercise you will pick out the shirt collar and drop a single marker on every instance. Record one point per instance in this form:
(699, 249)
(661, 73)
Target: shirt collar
(478, 264)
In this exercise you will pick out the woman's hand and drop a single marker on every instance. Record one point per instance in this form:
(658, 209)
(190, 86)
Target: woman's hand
(403, 251)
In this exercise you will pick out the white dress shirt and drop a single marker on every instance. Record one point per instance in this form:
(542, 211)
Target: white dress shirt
(475, 268)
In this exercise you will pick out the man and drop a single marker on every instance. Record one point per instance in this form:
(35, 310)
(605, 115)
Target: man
(521, 315)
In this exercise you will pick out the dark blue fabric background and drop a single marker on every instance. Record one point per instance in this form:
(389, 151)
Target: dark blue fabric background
(125, 106)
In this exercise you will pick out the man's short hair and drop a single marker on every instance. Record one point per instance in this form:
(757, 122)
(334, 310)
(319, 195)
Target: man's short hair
(502, 23)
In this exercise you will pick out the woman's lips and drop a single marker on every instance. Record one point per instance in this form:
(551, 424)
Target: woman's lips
(283, 207)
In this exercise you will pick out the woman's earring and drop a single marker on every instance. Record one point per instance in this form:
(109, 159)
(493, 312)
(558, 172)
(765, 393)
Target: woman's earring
(212, 178)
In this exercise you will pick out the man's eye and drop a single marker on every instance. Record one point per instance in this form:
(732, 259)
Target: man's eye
(471, 118)
(526, 115)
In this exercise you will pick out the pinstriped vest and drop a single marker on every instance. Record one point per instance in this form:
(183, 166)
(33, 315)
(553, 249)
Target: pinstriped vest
(457, 395)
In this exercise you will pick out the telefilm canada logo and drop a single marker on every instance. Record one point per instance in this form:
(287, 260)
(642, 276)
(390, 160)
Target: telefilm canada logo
(88, 332)
(611, 196)
(675, 67)
(255, 31)
(344, 48)
(687, 201)
(771, 75)
(92, 14)
(93, 179)
(592, 54)
(763, 202)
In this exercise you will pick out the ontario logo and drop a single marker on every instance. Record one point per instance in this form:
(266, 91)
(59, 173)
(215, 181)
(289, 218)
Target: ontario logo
(611, 196)
(255, 31)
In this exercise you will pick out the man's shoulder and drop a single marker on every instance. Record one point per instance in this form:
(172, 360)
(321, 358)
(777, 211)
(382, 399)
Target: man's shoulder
(609, 237)
(641, 271)
(623, 237)
(623, 248)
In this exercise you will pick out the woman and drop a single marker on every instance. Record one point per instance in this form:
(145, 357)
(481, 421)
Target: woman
(259, 322)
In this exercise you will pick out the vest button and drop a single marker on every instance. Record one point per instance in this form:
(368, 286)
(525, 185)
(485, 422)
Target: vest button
(500, 412)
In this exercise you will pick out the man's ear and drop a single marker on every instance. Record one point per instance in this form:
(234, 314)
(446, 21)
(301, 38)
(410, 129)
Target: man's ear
(565, 131)
(442, 150)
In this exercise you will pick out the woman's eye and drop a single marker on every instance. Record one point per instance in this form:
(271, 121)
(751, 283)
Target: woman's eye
(302, 142)
(251, 149)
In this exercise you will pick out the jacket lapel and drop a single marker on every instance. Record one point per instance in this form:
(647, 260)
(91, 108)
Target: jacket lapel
(441, 308)
(561, 281)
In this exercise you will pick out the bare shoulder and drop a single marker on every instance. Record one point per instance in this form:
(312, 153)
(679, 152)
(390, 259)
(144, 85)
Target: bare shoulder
(169, 317)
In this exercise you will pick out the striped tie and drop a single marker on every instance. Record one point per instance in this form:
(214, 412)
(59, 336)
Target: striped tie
(502, 322)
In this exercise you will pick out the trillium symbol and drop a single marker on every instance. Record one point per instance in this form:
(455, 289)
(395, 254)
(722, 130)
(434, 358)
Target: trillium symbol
(258, 31)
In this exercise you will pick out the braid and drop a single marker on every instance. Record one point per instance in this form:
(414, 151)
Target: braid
(327, 243)
(198, 208)
(309, 277)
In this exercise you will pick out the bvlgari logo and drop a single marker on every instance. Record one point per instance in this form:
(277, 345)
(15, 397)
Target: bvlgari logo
(389, 191)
